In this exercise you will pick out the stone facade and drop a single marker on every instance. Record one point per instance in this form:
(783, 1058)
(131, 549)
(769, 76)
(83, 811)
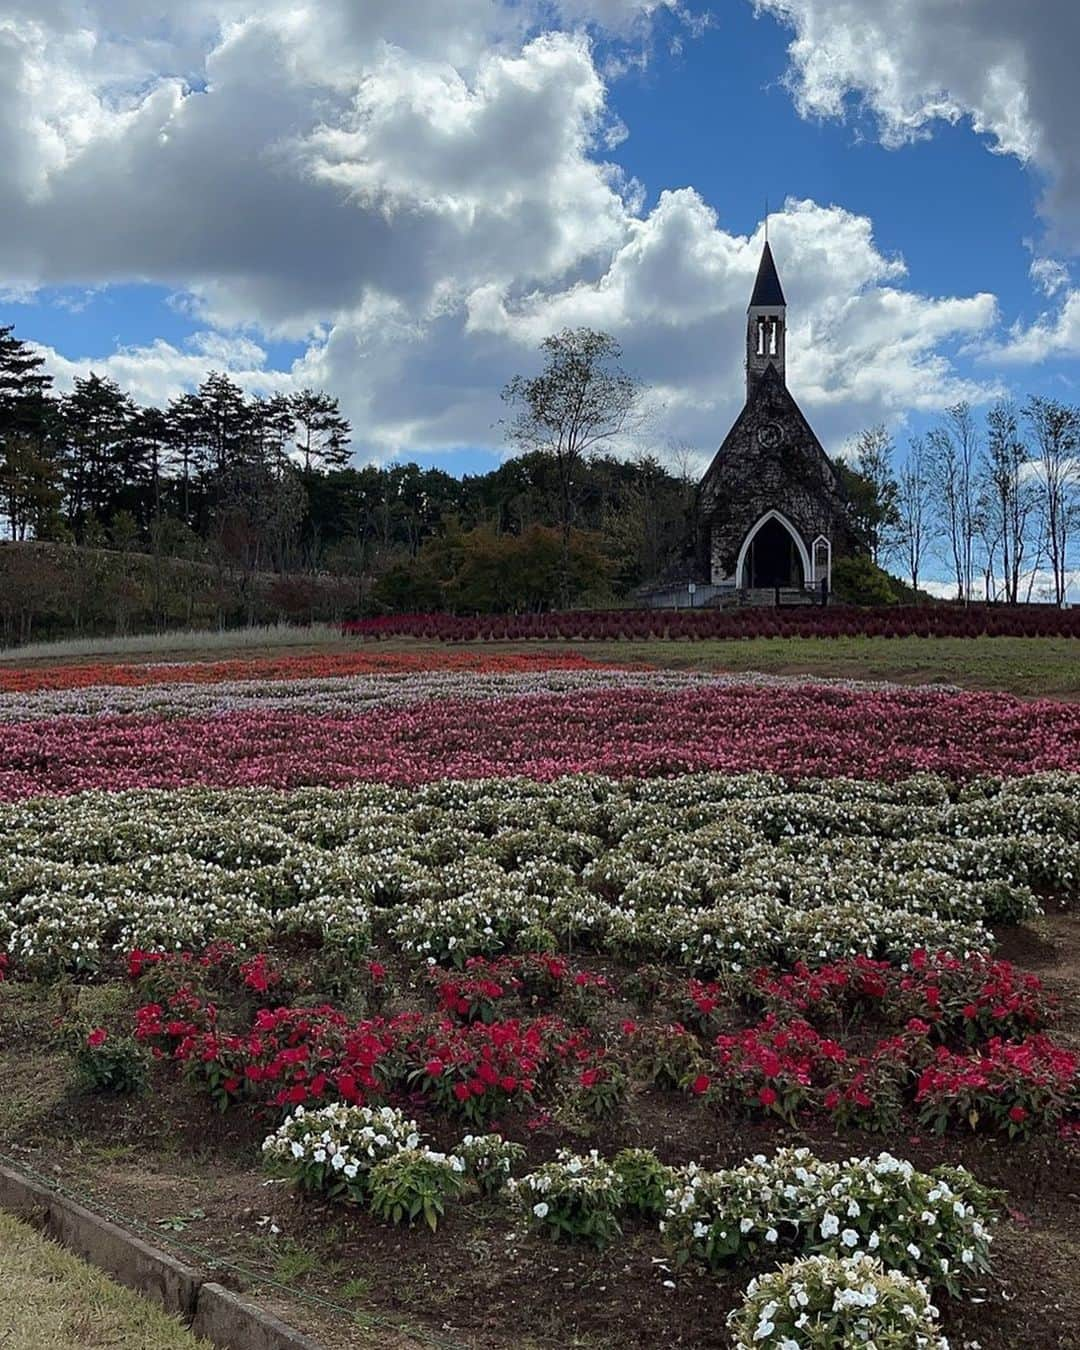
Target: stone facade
(771, 491)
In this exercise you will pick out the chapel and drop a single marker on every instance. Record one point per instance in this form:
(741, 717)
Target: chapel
(771, 509)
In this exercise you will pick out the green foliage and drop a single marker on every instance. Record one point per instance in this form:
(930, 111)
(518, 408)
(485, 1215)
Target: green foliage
(415, 1184)
(574, 1197)
(489, 1160)
(645, 1180)
(114, 1065)
(859, 581)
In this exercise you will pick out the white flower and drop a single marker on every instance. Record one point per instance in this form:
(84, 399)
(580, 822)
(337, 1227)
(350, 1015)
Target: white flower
(830, 1225)
(771, 1235)
(541, 1209)
(849, 1237)
(913, 1251)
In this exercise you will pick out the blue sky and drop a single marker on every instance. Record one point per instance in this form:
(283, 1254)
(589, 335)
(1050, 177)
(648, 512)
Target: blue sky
(358, 201)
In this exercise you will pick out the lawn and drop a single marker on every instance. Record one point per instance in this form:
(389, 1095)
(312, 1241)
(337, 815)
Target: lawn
(463, 995)
(1033, 667)
(53, 1301)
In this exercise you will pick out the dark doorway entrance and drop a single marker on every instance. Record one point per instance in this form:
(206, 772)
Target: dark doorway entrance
(772, 558)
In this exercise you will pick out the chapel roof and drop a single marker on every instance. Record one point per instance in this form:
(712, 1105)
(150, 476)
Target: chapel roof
(767, 289)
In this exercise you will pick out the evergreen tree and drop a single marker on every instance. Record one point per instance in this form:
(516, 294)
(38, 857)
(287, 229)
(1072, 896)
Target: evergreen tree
(322, 434)
(97, 417)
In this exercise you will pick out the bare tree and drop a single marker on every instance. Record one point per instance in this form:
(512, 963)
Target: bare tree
(1007, 497)
(953, 448)
(579, 401)
(914, 513)
(1055, 429)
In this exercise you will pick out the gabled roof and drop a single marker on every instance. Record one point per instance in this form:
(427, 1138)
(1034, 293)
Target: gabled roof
(767, 289)
(771, 390)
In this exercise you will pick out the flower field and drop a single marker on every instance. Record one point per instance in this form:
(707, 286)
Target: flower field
(938, 620)
(694, 1009)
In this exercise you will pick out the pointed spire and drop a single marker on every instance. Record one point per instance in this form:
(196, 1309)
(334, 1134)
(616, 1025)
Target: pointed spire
(768, 293)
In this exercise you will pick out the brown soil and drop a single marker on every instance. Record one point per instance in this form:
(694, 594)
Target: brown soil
(478, 1282)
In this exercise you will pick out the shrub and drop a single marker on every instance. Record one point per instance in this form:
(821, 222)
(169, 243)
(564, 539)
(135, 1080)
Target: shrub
(645, 1180)
(574, 1197)
(1013, 1087)
(489, 1160)
(934, 1225)
(415, 1184)
(835, 1301)
(600, 1089)
(111, 1064)
(663, 1056)
(332, 1150)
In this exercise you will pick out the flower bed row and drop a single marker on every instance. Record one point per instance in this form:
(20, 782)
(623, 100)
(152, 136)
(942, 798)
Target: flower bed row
(973, 1055)
(290, 666)
(930, 1225)
(710, 873)
(870, 1236)
(937, 620)
(799, 731)
(348, 695)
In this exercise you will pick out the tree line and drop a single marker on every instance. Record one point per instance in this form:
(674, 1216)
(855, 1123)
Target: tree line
(994, 501)
(252, 486)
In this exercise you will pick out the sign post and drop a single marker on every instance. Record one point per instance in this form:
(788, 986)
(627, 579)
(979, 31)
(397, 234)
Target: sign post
(691, 590)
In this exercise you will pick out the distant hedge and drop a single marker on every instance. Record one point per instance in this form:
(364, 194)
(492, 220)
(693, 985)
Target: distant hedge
(938, 620)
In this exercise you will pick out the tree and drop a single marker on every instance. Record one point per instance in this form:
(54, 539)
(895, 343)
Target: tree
(876, 510)
(1055, 430)
(97, 419)
(29, 484)
(914, 509)
(322, 434)
(953, 450)
(579, 401)
(28, 469)
(1006, 496)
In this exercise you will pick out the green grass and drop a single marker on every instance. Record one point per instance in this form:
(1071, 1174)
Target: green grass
(1027, 666)
(53, 1301)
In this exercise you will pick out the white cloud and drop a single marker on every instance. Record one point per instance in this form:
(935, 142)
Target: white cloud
(1049, 275)
(422, 193)
(1006, 66)
(1053, 334)
(159, 372)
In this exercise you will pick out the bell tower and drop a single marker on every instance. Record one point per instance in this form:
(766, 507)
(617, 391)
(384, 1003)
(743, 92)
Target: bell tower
(766, 324)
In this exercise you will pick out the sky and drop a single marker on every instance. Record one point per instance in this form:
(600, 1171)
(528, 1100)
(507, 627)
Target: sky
(397, 200)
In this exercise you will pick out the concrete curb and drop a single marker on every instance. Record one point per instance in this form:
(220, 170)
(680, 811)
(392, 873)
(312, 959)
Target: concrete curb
(213, 1312)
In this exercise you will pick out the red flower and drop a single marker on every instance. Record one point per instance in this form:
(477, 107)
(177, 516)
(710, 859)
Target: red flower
(461, 1091)
(434, 1068)
(589, 1077)
(700, 1084)
(1017, 1114)
(767, 1097)
(97, 1037)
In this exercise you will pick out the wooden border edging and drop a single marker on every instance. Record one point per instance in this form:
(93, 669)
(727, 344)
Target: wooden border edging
(213, 1312)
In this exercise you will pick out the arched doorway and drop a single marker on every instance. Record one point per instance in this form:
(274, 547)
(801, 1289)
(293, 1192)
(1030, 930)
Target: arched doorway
(772, 555)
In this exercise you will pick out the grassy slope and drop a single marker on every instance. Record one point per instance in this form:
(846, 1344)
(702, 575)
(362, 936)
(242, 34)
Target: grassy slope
(53, 1301)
